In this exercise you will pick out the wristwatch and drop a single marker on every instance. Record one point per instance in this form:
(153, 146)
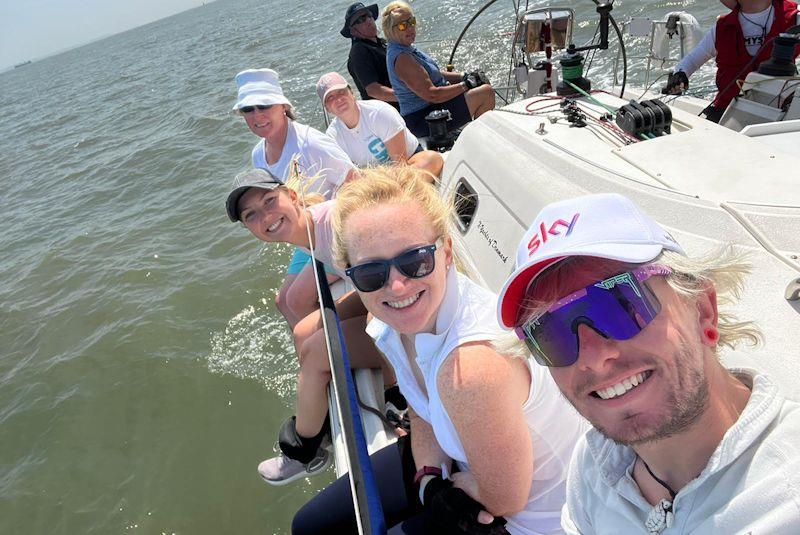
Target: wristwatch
(427, 471)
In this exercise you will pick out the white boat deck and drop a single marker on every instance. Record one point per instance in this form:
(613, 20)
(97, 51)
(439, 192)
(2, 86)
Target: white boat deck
(708, 185)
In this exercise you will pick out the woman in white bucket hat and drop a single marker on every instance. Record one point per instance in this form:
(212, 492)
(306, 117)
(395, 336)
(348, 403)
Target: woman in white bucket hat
(270, 116)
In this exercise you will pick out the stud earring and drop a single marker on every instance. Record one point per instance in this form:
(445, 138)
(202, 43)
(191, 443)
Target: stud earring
(712, 334)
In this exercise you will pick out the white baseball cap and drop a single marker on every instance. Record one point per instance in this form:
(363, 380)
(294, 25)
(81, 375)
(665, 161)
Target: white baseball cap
(607, 225)
(259, 87)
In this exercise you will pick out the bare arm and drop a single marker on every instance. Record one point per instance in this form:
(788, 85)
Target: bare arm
(381, 92)
(397, 147)
(352, 174)
(417, 79)
(424, 446)
(484, 393)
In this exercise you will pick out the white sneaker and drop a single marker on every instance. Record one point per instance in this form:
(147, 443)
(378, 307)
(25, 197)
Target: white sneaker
(281, 470)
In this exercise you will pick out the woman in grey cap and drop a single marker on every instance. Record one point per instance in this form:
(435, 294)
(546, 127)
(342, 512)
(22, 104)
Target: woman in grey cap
(274, 213)
(270, 116)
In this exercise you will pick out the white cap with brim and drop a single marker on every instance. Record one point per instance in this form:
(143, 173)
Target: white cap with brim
(252, 178)
(259, 87)
(606, 226)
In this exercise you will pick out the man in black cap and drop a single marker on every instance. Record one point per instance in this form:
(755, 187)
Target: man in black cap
(367, 61)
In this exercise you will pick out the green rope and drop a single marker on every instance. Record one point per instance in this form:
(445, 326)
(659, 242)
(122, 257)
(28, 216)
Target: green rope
(590, 97)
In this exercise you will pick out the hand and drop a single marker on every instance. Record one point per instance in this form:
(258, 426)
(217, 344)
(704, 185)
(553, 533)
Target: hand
(677, 83)
(482, 77)
(451, 511)
(474, 79)
(467, 482)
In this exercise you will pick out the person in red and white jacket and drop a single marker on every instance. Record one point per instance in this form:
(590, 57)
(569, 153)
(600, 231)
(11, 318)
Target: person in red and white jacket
(740, 41)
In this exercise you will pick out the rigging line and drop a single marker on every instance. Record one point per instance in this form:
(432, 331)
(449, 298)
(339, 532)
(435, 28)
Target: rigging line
(651, 86)
(366, 500)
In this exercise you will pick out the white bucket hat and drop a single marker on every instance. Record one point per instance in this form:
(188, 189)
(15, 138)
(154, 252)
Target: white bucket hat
(607, 225)
(259, 87)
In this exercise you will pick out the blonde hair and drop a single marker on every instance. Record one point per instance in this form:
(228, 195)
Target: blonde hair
(392, 14)
(723, 269)
(394, 184)
(302, 185)
(290, 112)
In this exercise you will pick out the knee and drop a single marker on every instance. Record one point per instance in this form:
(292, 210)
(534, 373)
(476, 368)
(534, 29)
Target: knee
(313, 356)
(489, 93)
(304, 330)
(280, 302)
(430, 161)
(298, 304)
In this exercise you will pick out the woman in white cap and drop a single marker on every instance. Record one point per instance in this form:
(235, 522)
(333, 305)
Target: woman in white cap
(270, 115)
(499, 419)
(371, 132)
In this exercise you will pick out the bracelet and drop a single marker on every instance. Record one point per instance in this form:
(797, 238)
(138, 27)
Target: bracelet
(427, 471)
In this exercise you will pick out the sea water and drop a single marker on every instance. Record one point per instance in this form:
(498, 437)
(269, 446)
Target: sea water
(144, 369)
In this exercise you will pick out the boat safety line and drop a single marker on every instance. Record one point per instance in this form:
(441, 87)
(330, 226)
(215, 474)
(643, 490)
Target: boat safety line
(758, 235)
(366, 498)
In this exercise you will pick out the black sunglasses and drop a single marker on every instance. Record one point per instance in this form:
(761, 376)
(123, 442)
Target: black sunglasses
(414, 263)
(249, 109)
(360, 19)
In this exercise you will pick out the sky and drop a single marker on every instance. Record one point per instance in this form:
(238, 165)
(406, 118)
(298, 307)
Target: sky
(32, 29)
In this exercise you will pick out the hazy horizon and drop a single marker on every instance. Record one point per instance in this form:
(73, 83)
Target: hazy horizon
(28, 35)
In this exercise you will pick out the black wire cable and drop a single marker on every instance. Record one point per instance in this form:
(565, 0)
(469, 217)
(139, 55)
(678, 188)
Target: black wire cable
(624, 55)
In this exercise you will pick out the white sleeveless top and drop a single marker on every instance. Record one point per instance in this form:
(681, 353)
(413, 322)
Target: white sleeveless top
(467, 314)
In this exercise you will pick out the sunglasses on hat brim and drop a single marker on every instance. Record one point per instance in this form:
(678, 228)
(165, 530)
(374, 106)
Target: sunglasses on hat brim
(618, 308)
(415, 263)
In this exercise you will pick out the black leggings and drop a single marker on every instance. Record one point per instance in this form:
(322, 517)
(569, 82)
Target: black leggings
(331, 510)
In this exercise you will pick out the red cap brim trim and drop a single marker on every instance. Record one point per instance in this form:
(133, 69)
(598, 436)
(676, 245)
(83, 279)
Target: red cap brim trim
(515, 293)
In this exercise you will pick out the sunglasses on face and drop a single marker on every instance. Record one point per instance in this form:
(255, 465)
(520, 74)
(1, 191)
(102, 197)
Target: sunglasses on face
(360, 19)
(618, 308)
(249, 109)
(403, 25)
(414, 264)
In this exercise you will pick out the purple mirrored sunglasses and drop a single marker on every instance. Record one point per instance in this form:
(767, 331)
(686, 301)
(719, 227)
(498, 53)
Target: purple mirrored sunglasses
(618, 307)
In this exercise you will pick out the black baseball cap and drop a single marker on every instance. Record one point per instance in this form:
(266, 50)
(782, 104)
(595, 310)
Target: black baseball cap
(253, 178)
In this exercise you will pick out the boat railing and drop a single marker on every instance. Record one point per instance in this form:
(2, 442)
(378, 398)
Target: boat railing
(661, 34)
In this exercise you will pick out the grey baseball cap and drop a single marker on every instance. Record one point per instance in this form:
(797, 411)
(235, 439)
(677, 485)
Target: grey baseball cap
(252, 178)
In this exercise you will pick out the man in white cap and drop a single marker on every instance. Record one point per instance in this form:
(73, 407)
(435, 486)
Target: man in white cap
(629, 328)
(367, 60)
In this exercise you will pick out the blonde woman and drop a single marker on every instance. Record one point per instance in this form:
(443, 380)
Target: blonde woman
(418, 83)
(499, 421)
